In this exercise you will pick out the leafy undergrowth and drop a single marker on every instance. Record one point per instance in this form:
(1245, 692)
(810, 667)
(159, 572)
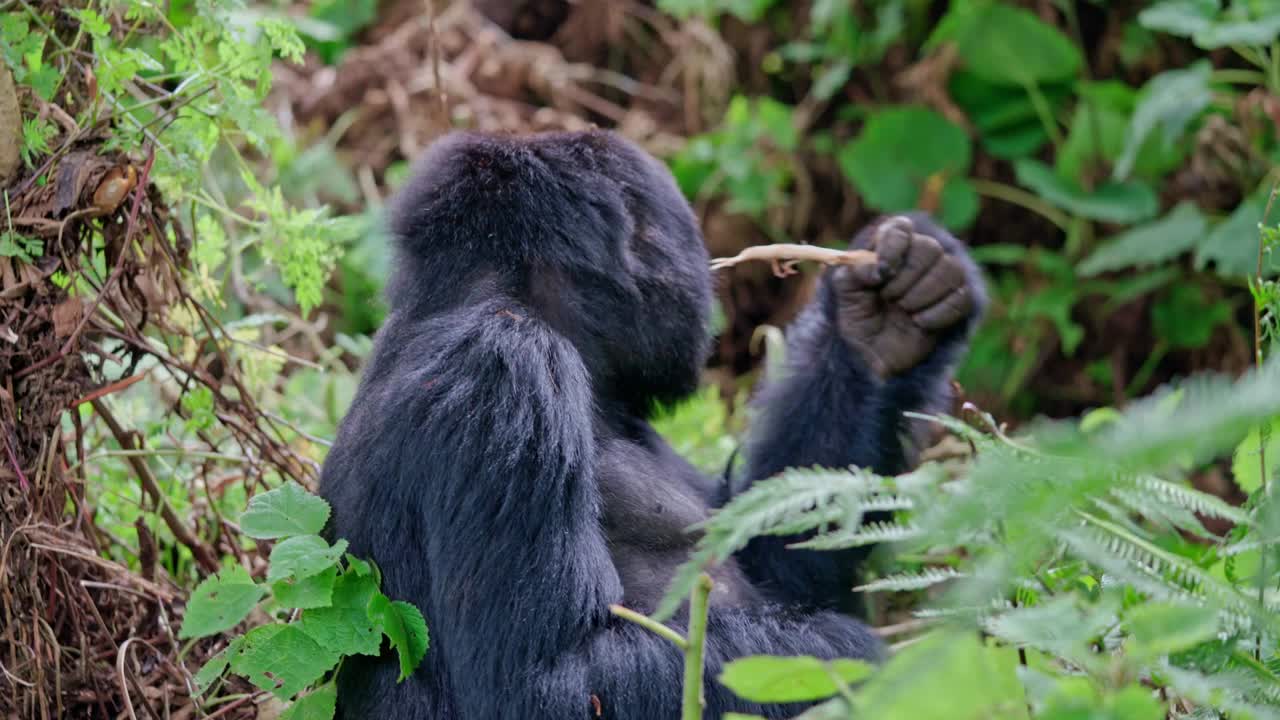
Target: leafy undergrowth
(326, 604)
(1062, 574)
(148, 268)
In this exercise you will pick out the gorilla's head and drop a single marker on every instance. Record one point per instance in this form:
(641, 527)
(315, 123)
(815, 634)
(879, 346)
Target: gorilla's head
(585, 230)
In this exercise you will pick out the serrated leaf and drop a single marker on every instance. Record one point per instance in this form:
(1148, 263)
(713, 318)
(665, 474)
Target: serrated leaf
(1150, 244)
(311, 592)
(769, 679)
(405, 628)
(219, 603)
(284, 512)
(319, 704)
(281, 659)
(358, 566)
(303, 556)
(1170, 101)
(899, 150)
(1121, 203)
(346, 626)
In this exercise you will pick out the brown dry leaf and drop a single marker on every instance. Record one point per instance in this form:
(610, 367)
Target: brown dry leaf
(76, 171)
(10, 128)
(8, 278)
(66, 316)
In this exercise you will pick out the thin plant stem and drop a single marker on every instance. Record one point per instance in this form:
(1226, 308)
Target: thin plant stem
(694, 699)
(1257, 358)
(650, 624)
(1021, 198)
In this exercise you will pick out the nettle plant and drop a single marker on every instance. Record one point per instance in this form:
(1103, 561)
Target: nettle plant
(317, 605)
(1074, 576)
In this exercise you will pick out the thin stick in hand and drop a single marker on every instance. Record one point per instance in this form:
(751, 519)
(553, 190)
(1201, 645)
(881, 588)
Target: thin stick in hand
(783, 257)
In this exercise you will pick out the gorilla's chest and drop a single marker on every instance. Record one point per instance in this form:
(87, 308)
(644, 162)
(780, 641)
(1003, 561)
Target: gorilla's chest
(649, 503)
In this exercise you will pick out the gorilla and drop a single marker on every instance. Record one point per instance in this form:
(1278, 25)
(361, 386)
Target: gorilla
(550, 292)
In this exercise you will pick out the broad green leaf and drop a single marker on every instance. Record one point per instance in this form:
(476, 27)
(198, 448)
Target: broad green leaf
(1180, 17)
(1246, 461)
(1099, 128)
(212, 669)
(768, 679)
(311, 592)
(1083, 702)
(959, 204)
(405, 628)
(286, 511)
(1184, 319)
(1256, 33)
(1150, 244)
(1058, 626)
(970, 681)
(1120, 203)
(220, 602)
(898, 151)
(1008, 45)
(358, 566)
(1232, 245)
(1006, 119)
(1159, 628)
(1170, 101)
(319, 704)
(281, 659)
(346, 626)
(303, 556)
(1020, 142)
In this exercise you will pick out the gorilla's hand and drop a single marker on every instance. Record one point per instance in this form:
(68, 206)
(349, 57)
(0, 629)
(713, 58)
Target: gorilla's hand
(892, 313)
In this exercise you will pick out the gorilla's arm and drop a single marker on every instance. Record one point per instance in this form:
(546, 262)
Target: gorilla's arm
(481, 430)
(830, 409)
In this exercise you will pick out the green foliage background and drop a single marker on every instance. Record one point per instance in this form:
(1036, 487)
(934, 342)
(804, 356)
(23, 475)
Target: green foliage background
(1112, 167)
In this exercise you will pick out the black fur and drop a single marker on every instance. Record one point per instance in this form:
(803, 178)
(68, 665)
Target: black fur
(498, 464)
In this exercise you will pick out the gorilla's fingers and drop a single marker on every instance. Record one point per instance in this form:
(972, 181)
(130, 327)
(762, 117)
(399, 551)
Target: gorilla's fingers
(891, 241)
(952, 309)
(861, 312)
(860, 276)
(945, 275)
(923, 253)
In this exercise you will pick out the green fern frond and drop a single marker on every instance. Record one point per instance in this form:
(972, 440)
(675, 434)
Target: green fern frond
(903, 582)
(1188, 498)
(794, 502)
(872, 533)
(1231, 691)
